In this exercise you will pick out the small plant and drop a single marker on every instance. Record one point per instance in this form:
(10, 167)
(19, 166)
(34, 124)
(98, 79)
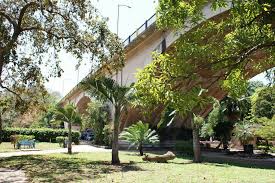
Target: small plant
(138, 135)
(244, 132)
(62, 141)
(107, 133)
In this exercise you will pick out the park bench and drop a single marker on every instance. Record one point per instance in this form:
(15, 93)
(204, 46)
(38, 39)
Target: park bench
(26, 143)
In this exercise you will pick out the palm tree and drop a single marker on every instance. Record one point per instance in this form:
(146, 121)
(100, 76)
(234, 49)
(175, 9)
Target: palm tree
(138, 135)
(106, 89)
(70, 115)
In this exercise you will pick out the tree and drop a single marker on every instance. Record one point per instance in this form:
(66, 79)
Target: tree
(224, 115)
(23, 113)
(253, 86)
(106, 89)
(267, 128)
(47, 119)
(139, 134)
(96, 118)
(69, 115)
(218, 50)
(263, 111)
(33, 32)
(263, 102)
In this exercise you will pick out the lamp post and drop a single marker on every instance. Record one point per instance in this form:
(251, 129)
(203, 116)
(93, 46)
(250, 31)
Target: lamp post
(117, 28)
(63, 84)
(118, 7)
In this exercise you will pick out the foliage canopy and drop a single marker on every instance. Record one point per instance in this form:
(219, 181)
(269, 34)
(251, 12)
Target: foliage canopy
(219, 50)
(34, 32)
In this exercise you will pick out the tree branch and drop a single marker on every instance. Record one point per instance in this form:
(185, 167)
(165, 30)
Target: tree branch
(11, 91)
(241, 55)
(252, 20)
(23, 11)
(255, 48)
(9, 18)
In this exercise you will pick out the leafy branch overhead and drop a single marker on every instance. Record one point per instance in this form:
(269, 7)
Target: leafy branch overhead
(217, 54)
(34, 32)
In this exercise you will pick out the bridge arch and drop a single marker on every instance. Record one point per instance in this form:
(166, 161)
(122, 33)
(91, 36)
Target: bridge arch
(138, 55)
(82, 104)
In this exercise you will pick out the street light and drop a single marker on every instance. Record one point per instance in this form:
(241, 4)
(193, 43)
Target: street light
(118, 6)
(63, 83)
(117, 26)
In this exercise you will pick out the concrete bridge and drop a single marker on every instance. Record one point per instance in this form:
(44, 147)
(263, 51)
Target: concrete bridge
(138, 50)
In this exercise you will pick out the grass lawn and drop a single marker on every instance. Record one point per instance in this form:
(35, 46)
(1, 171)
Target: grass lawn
(8, 147)
(95, 167)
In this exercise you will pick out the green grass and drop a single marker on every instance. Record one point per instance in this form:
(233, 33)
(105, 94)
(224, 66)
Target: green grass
(8, 147)
(95, 167)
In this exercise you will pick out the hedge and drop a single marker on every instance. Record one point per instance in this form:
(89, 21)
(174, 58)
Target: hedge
(41, 134)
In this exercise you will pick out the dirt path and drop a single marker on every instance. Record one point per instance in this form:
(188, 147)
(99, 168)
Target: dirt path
(12, 176)
(76, 148)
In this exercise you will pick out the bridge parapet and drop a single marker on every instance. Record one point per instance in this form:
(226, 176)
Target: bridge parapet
(138, 49)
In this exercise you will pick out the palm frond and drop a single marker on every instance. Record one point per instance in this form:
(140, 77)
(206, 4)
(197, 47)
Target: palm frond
(67, 114)
(104, 88)
(139, 133)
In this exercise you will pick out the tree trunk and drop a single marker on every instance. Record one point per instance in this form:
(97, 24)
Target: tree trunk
(70, 138)
(1, 63)
(196, 145)
(1, 128)
(140, 148)
(115, 146)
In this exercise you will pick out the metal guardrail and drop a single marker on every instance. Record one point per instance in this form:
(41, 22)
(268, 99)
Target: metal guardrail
(140, 30)
(127, 41)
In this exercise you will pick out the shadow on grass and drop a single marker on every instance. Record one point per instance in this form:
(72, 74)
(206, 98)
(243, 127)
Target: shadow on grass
(51, 169)
(228, 161)
(246, 163)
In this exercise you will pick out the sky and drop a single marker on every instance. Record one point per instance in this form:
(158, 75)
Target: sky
(130, 19)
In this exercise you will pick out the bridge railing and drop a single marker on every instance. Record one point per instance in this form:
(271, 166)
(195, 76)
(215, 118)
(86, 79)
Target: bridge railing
(140, 30)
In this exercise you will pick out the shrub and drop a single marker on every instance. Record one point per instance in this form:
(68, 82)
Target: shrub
(272, 149)
(264, 145)
(41, 134)
(25, 137)
(107, 131)
(61, 140)
(21, 137)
